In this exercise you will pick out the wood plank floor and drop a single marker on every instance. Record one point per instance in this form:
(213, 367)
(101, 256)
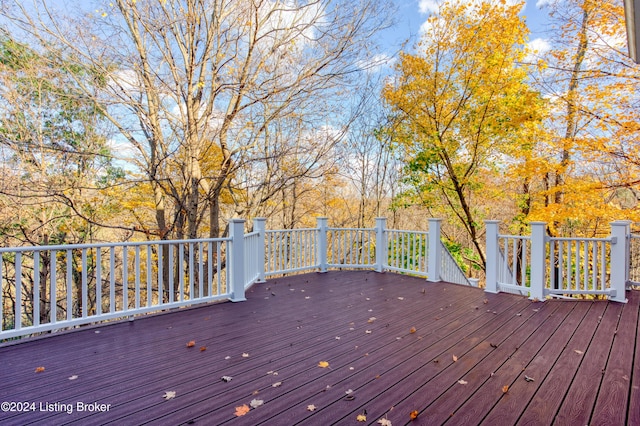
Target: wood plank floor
(474, 358)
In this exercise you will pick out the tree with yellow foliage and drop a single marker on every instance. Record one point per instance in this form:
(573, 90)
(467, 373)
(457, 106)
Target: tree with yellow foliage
(463, 106)
(589, 174)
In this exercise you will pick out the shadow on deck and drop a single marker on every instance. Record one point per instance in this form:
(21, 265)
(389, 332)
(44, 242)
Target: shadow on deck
(474, 358)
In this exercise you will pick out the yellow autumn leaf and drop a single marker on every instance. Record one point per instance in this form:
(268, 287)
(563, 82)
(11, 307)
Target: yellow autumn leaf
(39, 369)
(361, 418)
(323, 364)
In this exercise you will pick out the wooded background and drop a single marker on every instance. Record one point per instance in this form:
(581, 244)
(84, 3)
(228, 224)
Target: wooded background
(161, 119)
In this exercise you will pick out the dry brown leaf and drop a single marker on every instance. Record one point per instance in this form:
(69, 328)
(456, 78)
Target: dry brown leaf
(191, 343)
(39, 369)
(203, 348)
(454, 358)
(412, 330)
(462, 382)
(505, 389)
(242, 410)
(413, 415)
(311, 407)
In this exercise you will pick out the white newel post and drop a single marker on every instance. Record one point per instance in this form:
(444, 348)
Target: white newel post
(491, 285)
(322, 225)
(236, 260)
(538, 260)
(620, 230)
(434, 252)
(260, 226)
(381, 244)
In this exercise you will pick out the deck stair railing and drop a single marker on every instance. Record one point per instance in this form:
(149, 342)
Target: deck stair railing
(542, 267)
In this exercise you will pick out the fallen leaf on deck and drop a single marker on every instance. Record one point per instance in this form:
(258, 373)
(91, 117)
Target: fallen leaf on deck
(368, 332)
(203, 348)
(255, 403)
(529, 379)
(372, 319)
(226, 379)
(227, 357)
(242, 410)
(311, 407)
(400, 298)
(462, 382)
(485, 301)
(73, 377)
(323, 364)
(361, 418)
(413, 415)
(307, 297)
(412, 330)
(505, 389)
(39, 369)
(245, 355)
(385, 422)
(337, 337)
(169, 395)
(191, 343)
(276, 384)
(454, 358)
(579, 352)
(349, 391)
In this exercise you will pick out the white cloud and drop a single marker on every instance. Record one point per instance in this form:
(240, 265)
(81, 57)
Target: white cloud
(428, 6)
(543, 3)
(536, 48)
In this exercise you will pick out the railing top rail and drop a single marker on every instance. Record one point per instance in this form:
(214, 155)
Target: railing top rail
(522, 237)
(252, 234)
(408, 232)
(351, 229)
(276, 231)
(606, 240)
(103, 245)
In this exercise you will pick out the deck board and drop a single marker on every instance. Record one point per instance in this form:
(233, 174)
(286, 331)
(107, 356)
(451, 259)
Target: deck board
(360, 322)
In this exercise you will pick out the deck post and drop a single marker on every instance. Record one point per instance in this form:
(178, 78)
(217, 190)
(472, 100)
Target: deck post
(381, 244)
(322, 225)
(259, 225)
(620, 231)
(434, 252)
(236, 260)
(491, 232)
(538, 260)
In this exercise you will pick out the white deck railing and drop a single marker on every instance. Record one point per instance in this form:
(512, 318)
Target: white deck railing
(51, 287)
(558, 267)
(634, 259)
(56, 287)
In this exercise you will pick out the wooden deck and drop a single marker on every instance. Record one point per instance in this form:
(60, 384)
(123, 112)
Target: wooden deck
(466, 363)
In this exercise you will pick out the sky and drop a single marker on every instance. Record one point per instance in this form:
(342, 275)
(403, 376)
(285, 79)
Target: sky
(411, 14)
